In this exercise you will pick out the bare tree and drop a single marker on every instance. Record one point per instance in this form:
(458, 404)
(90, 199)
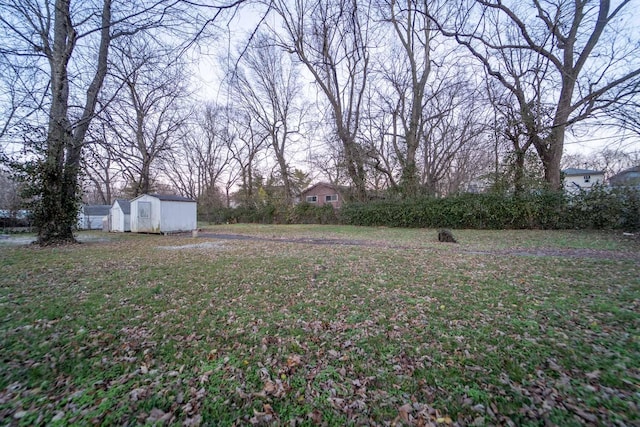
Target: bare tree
(49, 31)
(247, 141)
(381, 137)
(452, 123)
(148, 114)
(268, 87)
(407, 74)
(69, 46)
(586, 61)
(454, 127)
(99, 166)
(198, 164)
(509, 127)
(331, 38)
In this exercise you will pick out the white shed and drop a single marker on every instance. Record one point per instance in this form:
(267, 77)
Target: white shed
(90, 216)
(156, 213)
(120, 216)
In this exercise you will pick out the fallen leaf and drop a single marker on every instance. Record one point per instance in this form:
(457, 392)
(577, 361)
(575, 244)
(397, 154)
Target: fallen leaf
(316, 417)
(267, 416)
(404, 411)
(593, 375)
(158, 416)
(293, 361)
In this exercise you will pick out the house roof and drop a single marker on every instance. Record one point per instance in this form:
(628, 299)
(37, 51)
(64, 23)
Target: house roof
(125, 205)
(631, 174)
(96, 210)
(324, 184)
(576, 171)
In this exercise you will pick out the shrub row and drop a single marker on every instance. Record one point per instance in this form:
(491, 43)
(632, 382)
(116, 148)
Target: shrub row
(302, 213)
(599, 208)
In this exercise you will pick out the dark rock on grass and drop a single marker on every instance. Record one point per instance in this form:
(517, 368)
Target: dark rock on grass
(446, 236)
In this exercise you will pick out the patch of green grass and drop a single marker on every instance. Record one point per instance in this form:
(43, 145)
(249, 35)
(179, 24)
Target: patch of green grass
(277, 331)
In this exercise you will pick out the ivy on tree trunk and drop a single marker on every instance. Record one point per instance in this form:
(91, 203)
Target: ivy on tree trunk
(57, 198)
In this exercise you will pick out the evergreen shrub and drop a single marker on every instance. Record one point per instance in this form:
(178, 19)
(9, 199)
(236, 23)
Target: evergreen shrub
(599, 208)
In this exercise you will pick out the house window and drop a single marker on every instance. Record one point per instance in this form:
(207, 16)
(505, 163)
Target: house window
(587, 178)
(312, 199)
(144, 209)
(331, 198)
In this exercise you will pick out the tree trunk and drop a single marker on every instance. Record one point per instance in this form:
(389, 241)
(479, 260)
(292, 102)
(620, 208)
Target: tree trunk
(551, 156)
(58, 205)
(409, 182)
(57, 213)
(355, 166)
(409, 33)
(286, 182)
(518, 172)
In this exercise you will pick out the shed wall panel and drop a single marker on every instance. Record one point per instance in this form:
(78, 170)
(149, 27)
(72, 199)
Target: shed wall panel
(120, 221)
(143, 220)
(178, 216)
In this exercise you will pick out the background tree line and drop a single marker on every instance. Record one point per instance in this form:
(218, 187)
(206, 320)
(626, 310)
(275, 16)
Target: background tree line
(401, 98)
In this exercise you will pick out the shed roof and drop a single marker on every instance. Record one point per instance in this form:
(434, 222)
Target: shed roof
(576, 171)
(172, 198)
(96, 210)
(125, 206)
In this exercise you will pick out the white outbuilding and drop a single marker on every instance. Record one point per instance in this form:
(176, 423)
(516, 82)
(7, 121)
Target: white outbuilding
(120, 216)
(90, 216)
(156, 213)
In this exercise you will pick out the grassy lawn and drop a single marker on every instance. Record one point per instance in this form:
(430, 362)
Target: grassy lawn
(393, 328)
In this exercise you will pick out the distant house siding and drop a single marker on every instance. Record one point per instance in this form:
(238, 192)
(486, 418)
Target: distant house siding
(322, 194)
(576, 180)
(628, 177)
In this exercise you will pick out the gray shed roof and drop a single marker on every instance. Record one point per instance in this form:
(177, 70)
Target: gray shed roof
(172, 198)
(125, 206)
(96, 210)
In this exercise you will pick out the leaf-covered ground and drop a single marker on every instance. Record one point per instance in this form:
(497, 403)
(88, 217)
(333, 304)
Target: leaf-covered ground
(393, 328)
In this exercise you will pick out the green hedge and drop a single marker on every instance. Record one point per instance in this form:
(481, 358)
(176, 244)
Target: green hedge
(302, 213)
(598, 208)
(617, 208)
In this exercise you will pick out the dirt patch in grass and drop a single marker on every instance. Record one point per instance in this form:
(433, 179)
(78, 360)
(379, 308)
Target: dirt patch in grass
(524, 252)
(203, 245)
(18, 239)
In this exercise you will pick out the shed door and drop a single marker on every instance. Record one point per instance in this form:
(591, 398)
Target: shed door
(144, 216)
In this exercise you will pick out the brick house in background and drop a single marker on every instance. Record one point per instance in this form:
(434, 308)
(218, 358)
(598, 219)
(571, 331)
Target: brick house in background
(323, 193)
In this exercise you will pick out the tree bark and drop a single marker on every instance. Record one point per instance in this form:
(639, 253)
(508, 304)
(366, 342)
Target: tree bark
(57, 215)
